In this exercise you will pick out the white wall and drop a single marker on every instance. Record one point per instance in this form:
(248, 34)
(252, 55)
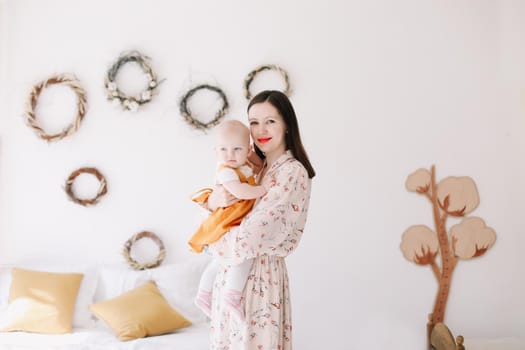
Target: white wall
(381, 88)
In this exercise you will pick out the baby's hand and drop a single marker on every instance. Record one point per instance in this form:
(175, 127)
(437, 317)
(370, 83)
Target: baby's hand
(220, 198)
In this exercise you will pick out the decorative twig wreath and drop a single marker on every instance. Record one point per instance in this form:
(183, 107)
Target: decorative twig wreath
(63, 79)
(114, 94)
(251, 76)
(186, 112)
(147, 265)
(102, 190)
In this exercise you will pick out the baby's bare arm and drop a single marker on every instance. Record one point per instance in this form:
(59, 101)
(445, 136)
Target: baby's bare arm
(243, 190)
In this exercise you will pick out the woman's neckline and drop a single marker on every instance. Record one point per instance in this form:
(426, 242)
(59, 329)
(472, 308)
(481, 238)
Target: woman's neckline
(267, 166)
(275, 158)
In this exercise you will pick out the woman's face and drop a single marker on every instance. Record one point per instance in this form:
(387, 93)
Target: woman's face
(267, 128)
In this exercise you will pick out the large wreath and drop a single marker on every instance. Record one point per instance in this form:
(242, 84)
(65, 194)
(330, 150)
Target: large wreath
(102, 190)
(113, 92)
(147, 265)
(186, 112)
(251, 76)
(64, 79)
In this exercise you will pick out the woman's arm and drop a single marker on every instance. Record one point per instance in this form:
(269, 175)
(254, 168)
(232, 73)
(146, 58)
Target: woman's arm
(275, 224)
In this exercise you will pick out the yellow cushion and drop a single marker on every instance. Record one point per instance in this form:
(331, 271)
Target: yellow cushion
(41, 302)
(138, 313)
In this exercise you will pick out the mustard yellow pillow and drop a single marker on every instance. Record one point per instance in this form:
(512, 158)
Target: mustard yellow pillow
(138, 313)
(41, 302)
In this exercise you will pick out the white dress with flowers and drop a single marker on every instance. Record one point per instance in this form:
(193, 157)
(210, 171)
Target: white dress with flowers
(268, 234)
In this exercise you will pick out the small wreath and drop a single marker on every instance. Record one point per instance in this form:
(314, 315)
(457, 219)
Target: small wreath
(197, 124)
(251, 76)
(63, 79)
(102, 190)
(114, 94)
(148, 265)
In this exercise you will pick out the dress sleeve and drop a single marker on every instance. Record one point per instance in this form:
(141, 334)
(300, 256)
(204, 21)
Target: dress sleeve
(276, 222)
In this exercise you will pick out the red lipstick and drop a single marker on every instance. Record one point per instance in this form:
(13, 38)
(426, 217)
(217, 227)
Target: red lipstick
(264, 139)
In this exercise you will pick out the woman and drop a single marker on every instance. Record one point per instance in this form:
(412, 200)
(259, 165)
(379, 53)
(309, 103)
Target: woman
(268, 234)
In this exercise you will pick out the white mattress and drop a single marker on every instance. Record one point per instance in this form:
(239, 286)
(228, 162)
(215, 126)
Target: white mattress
(195, 337)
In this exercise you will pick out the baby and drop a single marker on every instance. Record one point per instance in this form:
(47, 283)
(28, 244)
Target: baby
(232, 147)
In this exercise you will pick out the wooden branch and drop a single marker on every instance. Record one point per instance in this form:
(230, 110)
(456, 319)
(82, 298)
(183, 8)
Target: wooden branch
(435, 270)
(448, 262)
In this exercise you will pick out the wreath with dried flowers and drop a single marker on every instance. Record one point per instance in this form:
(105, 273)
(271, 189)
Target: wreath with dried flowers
(251, 76)
(63, 79)
(147, 265)
(113, 92)
(187, 114)
(102, 190)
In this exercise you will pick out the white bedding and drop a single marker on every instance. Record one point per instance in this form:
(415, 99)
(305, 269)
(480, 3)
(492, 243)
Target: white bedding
(195, 337)
(177, 282)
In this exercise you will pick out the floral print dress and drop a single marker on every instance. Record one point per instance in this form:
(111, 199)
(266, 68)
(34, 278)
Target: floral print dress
(267, 235)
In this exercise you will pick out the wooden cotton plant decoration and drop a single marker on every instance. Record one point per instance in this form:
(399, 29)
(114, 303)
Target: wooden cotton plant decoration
(452, 196)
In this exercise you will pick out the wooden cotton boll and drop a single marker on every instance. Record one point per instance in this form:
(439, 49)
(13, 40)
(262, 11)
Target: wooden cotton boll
(471, 238)
(419, 244)
(418, 181)
(458, 195)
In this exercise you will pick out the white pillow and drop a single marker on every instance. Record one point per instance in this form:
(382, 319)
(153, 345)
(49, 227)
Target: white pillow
(116, 279)
(5, 278)
(5, 284)
(82, 317)
(178, 283)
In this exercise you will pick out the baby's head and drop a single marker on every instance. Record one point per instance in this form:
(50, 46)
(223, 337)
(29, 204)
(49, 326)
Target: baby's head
(232, 143)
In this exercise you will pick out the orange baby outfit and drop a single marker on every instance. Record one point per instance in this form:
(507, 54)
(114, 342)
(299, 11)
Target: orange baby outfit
(221, 220)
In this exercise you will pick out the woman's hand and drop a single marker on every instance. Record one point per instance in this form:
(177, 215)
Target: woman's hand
(220, 198)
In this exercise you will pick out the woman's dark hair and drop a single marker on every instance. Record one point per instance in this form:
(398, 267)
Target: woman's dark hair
(293, 139)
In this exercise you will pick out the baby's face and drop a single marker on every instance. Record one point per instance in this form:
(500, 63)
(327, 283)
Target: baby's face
(232, 149)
